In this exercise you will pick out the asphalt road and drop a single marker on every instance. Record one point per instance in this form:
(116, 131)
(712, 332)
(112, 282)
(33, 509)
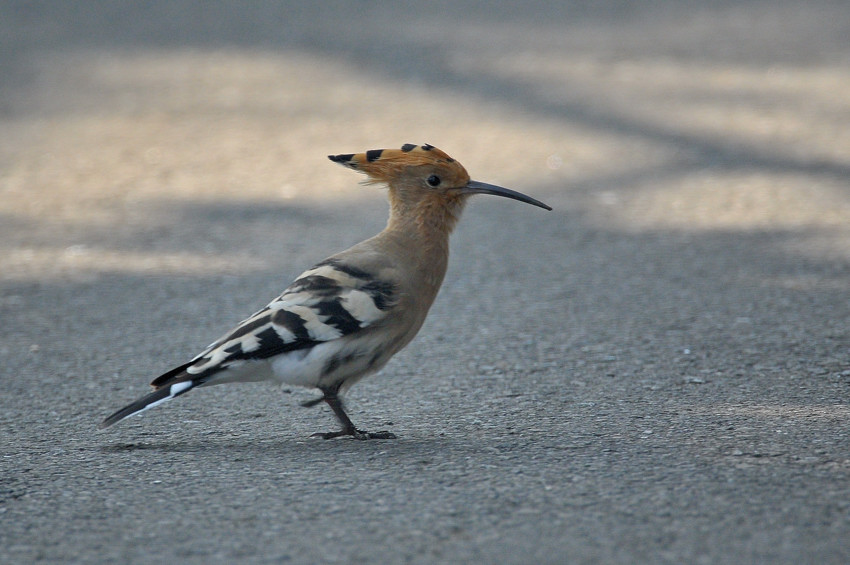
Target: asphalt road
(655, 372)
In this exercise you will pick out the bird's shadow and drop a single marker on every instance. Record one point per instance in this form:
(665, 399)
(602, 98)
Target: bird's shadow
(247, 447)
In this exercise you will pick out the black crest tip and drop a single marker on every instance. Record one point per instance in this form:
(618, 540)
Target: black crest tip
(344, 159)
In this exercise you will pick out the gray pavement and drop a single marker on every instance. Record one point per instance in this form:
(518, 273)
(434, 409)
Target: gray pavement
(655, 372)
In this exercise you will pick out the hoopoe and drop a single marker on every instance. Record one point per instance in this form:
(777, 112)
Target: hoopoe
(344, 318)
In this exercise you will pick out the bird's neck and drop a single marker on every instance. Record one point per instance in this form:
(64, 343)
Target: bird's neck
(428, 218)
(422, 228)
(426, 222)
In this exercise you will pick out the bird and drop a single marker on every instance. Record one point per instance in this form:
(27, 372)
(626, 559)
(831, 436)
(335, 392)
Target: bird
(346, 316)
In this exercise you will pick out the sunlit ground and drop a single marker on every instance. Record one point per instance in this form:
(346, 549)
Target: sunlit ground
(604, 120)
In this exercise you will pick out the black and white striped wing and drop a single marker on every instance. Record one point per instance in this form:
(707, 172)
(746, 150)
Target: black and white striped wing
(327, 302)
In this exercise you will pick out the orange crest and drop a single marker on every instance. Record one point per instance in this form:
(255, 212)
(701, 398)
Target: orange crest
(385, 165)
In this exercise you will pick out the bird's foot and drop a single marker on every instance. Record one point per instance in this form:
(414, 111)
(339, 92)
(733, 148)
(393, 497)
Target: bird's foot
(356, 434)
(348, 429)
(377, 435)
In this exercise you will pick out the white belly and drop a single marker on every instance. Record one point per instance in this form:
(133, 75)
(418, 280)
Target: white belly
(322, 365)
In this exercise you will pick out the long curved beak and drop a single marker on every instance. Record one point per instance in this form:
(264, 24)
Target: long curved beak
(475, 187)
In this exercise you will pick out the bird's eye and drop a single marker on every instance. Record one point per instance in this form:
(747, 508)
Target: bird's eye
(433, 180)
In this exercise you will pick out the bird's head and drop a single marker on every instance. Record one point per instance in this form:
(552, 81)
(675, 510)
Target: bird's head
(419, 174)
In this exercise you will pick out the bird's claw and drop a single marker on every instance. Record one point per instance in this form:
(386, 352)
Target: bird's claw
(378, 435)
(356, 434)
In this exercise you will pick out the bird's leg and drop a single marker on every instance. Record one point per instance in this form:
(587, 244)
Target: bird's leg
(348, 429)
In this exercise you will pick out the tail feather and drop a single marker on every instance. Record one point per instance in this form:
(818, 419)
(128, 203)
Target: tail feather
(177, 373)
(155, 398)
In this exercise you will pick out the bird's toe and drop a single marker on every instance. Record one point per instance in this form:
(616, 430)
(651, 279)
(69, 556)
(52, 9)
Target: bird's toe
(379, 435)
(356, 434)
